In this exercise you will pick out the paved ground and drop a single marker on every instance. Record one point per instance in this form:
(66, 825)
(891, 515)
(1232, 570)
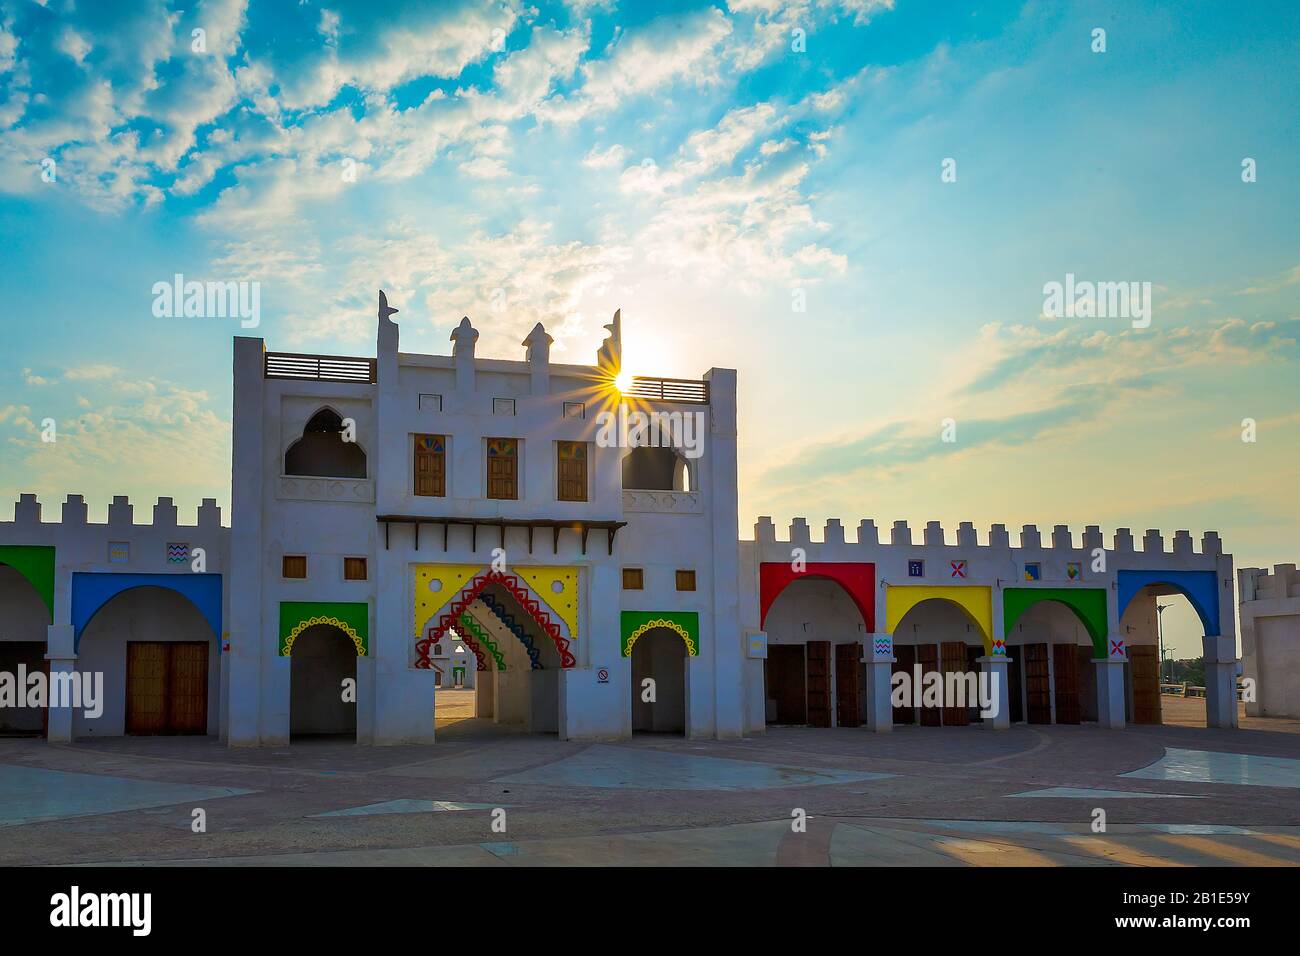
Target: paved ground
(1173, 795)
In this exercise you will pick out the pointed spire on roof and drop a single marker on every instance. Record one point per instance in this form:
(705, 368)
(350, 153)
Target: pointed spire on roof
(610, 355)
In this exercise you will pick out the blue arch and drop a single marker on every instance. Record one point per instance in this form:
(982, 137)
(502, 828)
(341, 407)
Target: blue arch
(91, 590)
(1199, 587)
(515, 628)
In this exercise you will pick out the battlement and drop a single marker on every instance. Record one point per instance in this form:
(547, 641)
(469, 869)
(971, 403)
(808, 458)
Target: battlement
(933, 535)
(1257, 584)
(121, 514)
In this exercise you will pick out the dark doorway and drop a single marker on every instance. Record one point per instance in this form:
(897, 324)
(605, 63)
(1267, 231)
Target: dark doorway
(22, 721)
(323, 658)
(785, 683)
(848, 709)
(658, 655)
(1145, 666)
(927, 655)
(1038, 690)
(904, 659)
(1065, 667)
(819, 683)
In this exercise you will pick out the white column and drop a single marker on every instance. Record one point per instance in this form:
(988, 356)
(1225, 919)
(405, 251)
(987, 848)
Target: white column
(878, 655)
(1110, 684)
(1220, 681)
(63, 660)
(999, 682)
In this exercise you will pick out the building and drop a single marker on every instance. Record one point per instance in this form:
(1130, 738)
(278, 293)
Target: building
(1270, 639)
(580, 540)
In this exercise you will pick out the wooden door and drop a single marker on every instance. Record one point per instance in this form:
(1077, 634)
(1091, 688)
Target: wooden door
(973, 655)
(146, 687)
(904, 660)
(848, 709)
(819, 683)
(1145, 666)
(1038, 691)
(187, 688)
(1014, 696)
(1065, 667)
(953, 654)
(927, 655)
(167, 687)
(785, 682)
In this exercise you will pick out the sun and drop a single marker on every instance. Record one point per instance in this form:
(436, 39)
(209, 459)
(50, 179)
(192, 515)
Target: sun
(623, 382)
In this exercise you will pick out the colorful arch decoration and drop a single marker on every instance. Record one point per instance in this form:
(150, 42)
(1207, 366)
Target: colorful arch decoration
(976, 600)
(514, 627)
(1088, 605)
(558, 587)
(479, 636)
(91, 590)
(469, 592)
(350, 617)
(1199, 587)
(632, 624)
(858, 578)
(35, 562)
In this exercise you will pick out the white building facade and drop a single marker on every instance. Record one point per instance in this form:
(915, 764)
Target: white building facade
(1270, 639)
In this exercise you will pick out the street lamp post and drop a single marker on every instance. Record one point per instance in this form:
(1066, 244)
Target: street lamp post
(1160, 631)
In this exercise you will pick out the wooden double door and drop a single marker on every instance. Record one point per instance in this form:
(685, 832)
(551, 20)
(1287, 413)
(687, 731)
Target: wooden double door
(167, 687)
(1144, 664)
(799, 680)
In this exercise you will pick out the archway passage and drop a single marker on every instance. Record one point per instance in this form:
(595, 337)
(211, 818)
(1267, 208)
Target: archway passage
(321, 452)
(157, 652)
(857, 578)
(659, 682)
(1052, 645)
(35, 563)
(323, 667)
(93, 590)
(933, 632)
(24, 619)
(1164, 635)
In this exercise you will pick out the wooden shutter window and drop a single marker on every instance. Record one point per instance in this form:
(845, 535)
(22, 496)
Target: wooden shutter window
(294, 566)
(503, 468)
(431, 465)
(686, 580)
(633, 579)
(354, 569)
(571, 470)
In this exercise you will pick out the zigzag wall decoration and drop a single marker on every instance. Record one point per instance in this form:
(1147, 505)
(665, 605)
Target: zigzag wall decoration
(515, 628)
(467, 623)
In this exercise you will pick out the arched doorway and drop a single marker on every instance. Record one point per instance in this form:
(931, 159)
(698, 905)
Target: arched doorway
(1052, 675)
(939, 636)
(322, 683)
(659, 657)
(157, 653)
(22, 650)
(1165, 681)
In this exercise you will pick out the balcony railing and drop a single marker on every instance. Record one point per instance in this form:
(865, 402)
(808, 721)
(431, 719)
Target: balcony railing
(320, 368)
(686, 390)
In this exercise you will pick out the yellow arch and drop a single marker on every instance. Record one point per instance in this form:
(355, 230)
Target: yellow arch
(976, 600)
(685, 635)
(450, 578)
(343, 626)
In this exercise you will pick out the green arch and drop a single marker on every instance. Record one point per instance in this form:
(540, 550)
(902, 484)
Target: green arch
(35, 562)
(480, 635)
(1088, 605)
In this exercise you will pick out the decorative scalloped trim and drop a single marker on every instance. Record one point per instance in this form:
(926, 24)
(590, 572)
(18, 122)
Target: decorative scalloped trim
(348, 629)
(481, 636)
(515, 628)
(692, 647)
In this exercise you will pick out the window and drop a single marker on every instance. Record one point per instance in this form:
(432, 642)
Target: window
(324, 450)
(575, 410)
(294, 566)
(437, 679)
(437, 650)
(503, 406)
(430, 402)
(503, 468)
(686, 580)
(571, 470)
(633, 579)
(354, 569)
(431, 465)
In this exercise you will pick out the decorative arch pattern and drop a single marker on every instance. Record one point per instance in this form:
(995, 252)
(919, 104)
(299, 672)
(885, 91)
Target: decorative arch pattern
(352, 618)
(472, 589)
(473, 634)
(1199, 587)
(975, 600)
(685, 623)
(514, 627)
(858, 578)
(91, 590)
(1088, 605)
(35, 562)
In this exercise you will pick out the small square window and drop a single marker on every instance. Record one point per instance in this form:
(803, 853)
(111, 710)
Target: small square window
(430, 402)
(294, 566)
(575, 410)
(503, 406)
(633, 579)
(354, 569)
(686, 580)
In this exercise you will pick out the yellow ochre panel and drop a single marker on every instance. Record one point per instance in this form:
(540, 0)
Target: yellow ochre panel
(975, 600)
(436, 585)
(557, 588)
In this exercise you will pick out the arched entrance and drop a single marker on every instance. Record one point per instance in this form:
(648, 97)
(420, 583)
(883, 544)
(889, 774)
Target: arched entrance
(659, 657)
(1163, 625)
(322, 683)
(1052, 648)
(157, 652)
(943, 634)
(22, 649)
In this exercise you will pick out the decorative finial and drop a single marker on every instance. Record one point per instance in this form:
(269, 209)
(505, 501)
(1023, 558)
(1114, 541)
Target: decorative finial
(610, 356)
(385, 310)
(464, 335)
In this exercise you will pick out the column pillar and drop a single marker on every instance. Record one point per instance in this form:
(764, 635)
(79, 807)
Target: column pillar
(1220, 681)
(879, 657)
(996, 666)
(1110, 684)
(59, 639)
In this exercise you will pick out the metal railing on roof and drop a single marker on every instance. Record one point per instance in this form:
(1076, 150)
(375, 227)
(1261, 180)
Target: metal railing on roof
(686, 390)
(320, 368)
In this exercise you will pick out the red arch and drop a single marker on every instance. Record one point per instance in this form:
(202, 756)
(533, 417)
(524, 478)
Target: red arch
(858, 578)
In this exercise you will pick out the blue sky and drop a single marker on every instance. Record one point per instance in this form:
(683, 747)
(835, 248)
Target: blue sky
(700, 166)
